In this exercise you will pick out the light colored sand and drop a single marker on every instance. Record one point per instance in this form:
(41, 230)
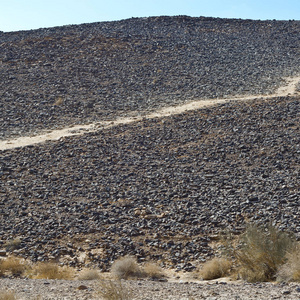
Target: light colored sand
(29, 289)
(288, 89)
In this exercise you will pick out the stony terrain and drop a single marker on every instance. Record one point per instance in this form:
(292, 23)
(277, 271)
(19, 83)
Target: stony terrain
(152, 290)
(160, 189)
(67, 75)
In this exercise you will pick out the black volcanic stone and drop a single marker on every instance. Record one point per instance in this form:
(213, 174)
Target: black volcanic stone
(57, 77)
(157, 189)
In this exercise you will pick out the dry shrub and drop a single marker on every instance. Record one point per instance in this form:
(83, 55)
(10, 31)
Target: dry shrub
(13, 266)
(13, 244)
(290, 271)
(59, 101)
(51, 271)
(298, 87)
(125, 268)
(88, 275)
(153, 271)
(261, 251)
(4, 295)
(215, 268)
(1, 270)
(113, 290)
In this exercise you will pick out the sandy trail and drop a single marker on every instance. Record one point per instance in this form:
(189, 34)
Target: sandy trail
(289, 89)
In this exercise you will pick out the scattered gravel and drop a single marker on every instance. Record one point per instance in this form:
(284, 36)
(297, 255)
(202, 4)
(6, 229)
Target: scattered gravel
(151, 290)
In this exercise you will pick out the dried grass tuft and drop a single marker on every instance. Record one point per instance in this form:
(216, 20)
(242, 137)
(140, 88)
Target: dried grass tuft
(260, 252)
(290, 271)
(7, 295)
(113, 290)
(51, 271)
(13, 244)
(59, 101)
(215, 268)
(125, 268)
(13, 266)
(88, 275)
(153, 271)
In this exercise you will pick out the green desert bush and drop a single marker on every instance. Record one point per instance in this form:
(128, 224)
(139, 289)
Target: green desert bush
(290, 271)
(126, 267)
(261, 250)
(215, 268)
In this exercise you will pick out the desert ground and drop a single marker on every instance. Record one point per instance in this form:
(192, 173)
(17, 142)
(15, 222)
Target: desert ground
(147, 137)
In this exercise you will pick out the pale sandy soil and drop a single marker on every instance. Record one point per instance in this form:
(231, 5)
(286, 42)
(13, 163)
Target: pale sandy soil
(288, 89)
(149, 290)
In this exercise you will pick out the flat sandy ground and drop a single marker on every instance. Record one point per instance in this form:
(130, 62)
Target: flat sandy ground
(146, 290)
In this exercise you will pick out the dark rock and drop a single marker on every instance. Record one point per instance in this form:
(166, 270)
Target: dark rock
(161, 188)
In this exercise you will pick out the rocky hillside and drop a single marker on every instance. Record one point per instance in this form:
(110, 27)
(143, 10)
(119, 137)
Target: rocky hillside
(159, 189)
(76, 74)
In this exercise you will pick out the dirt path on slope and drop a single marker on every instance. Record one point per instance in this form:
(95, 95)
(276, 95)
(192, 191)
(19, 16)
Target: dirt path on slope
(289, 89)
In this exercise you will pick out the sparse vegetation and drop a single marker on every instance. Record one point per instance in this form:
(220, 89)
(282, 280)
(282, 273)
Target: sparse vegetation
(113, 290)
(13, 266)
(12, 244)
(59, 101)
(7, 295)
(261, 250)
(88, 275)
(126, 267)
(215, 268)
(290, 271)
(153, 271)
(51, 271)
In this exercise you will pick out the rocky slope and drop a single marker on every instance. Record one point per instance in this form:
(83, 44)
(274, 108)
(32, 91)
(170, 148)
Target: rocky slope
(159, 189)
(77, 74)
